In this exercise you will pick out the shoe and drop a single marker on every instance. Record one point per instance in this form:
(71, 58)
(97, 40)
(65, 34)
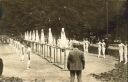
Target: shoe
(120, 61)
(99, 56)
(28, 68)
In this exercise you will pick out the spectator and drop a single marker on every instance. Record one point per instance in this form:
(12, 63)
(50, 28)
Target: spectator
(75, 63)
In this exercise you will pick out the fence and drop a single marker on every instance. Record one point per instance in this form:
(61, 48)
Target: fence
(53, 54)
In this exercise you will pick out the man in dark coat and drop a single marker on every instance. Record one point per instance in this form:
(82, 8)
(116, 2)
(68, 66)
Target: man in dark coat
(75, 63)
(1, 66)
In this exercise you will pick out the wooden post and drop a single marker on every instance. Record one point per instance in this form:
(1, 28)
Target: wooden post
(50, 53)
(54, 55)
(44, 50)
(57, 55)
(47, 50)
(60, 56)
(65, 59)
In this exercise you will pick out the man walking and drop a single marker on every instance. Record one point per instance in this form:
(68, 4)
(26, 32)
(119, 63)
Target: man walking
(75, 63)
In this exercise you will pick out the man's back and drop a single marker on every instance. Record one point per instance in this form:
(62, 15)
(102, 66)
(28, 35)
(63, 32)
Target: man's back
(76, 60)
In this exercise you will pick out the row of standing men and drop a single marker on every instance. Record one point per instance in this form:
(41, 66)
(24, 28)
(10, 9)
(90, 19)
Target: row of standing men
(22, 50)
(122, 48)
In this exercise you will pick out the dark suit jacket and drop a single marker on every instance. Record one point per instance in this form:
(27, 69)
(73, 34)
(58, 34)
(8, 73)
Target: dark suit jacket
(76, 60)
(1, 66)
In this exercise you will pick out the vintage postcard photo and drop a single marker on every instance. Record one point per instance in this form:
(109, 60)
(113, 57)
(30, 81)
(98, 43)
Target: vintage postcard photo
(63, 40)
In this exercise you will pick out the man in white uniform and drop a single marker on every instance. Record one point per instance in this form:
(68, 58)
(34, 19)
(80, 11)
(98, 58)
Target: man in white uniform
(29, 56)
(86, 45)
(121, 46)
(19, 49)
(22, 52)
(99, 49)
(126, 52)
(16, 46)
(103, 45)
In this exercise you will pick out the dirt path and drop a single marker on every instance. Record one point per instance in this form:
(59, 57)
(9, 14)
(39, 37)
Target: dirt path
(40, 68)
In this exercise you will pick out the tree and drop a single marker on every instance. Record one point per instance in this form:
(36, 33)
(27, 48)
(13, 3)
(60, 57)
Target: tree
(22, 15)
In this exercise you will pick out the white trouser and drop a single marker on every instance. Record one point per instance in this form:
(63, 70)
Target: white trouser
(121, 55)
(17, 52)
(103, 51)
(99, 52)
(20, 53)
(22, 57)
(28, 64)
(125, 57)
(86, 50)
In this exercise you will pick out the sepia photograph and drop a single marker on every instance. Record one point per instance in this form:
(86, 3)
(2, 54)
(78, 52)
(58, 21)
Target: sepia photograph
(63, 40)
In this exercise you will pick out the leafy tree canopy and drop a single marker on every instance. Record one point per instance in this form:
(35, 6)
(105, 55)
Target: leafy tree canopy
(76, 16)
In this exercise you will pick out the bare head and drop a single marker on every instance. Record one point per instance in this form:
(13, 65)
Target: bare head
(74, 45)
(125, 42)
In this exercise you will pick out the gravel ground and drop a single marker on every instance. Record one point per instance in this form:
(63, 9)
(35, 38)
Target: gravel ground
(41, 69)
